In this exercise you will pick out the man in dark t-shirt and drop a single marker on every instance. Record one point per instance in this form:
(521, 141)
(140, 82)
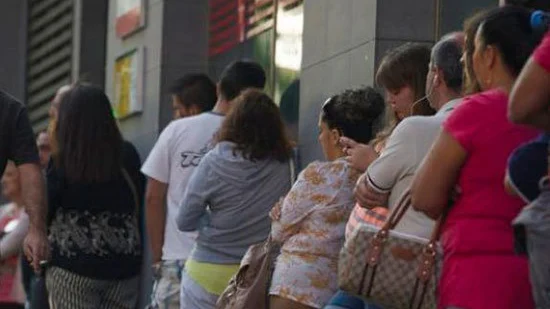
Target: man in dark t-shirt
(17, 138)
(17, 144)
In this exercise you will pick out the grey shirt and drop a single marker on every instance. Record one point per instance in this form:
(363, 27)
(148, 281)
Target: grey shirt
(393, 171)
(228, 200)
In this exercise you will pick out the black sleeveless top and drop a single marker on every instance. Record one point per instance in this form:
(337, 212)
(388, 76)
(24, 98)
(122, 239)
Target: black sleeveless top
(94, 229)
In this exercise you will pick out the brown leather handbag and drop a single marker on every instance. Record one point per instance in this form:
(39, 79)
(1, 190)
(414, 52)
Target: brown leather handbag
(250, 286)
(391, 269)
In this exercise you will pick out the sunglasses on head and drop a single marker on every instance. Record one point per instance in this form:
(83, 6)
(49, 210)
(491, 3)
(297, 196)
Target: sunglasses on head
(328, 115)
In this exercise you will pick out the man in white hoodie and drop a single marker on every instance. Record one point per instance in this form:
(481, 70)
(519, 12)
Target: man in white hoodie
(169, 166)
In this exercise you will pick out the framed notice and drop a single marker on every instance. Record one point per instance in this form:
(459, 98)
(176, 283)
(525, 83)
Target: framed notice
(130, 17)
(128, 84)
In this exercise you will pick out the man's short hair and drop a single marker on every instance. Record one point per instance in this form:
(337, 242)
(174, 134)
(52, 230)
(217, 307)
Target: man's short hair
(239, 76)
(446, 56)
(195, 90)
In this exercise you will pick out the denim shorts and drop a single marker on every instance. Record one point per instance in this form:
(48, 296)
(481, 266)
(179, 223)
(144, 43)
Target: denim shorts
(343, 300)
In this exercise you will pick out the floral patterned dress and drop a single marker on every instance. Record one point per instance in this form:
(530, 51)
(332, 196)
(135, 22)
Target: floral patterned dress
(310, 223)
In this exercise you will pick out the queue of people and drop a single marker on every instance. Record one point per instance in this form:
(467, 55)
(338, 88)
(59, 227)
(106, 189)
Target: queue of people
(459, 133)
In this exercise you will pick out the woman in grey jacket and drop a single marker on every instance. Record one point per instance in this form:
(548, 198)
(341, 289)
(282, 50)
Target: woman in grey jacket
(229, 196)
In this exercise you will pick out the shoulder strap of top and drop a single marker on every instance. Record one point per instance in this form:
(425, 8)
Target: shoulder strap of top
(292, 168)
(132, 188)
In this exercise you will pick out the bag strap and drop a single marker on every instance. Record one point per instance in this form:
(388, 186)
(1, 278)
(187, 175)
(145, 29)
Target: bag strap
(132, 188)
(397, 214)
(378, 240)
(399, 211)
(292, 168)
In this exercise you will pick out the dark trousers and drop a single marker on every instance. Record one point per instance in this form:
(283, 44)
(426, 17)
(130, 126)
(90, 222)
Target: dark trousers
(27, 275)
(11, 306)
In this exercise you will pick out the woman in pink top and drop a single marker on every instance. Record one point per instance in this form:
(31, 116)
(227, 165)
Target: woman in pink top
(480, 268)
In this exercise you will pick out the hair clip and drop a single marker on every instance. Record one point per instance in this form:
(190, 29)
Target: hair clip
(540, 20)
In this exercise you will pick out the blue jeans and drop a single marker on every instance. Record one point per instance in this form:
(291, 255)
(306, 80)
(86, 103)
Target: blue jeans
(166, 288)
(343, 300)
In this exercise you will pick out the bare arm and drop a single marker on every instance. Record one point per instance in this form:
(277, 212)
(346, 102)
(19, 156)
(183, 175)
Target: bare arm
(530, 98)
(360, 156)
(367, 196)
(433, 183)
(383, 173)
(36, 245)
(22, 150)
(33, 193)
(155, 211)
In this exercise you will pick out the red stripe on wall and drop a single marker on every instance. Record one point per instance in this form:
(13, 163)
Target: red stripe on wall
(128, 22)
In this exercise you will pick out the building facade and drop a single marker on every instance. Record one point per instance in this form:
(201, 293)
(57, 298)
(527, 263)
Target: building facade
(310, 49)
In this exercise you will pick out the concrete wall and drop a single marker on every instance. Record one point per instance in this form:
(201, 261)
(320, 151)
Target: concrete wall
(345, 40)
(454, 12)
(184, 47)
(141, 129)
(175, 43)
(13, 34)
(90, 43)
(343, 44)
(399, 21)
(338, 53)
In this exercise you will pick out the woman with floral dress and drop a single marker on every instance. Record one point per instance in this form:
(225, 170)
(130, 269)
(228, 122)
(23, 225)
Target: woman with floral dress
(309, 222)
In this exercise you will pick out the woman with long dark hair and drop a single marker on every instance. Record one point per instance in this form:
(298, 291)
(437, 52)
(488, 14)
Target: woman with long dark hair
(94, 192)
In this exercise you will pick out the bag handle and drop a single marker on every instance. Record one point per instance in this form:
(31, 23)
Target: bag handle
(132, 188)
(397, 214)
(395, 217)
(292, 168)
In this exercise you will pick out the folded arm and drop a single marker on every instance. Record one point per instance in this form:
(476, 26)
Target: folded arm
(375, 185)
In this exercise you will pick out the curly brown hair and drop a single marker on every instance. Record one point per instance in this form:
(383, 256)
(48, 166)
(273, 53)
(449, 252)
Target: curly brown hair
(255, 125)
(356, 113)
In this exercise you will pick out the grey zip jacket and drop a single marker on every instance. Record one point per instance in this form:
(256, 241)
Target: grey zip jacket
(228, 200)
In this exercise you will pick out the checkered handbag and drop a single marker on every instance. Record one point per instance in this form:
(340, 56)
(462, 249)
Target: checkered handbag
(388, 268)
